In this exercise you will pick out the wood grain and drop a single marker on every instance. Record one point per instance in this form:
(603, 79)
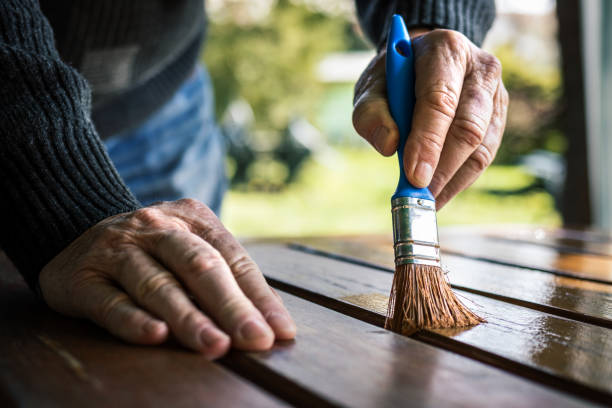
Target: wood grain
(575, 352)
(49, 360)
(336, 360)
(568, 297)
(478, 244)
(351, 363)
(562, 239)
(596, 268)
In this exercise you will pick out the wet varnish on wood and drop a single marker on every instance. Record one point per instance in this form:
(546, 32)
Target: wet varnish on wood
(546, 295)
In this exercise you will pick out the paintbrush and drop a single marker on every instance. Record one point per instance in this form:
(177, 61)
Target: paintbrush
(421, 297)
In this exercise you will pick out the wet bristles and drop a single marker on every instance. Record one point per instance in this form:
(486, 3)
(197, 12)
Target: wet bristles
(422, 298)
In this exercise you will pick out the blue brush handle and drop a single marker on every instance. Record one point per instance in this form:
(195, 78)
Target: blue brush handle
(400, 94)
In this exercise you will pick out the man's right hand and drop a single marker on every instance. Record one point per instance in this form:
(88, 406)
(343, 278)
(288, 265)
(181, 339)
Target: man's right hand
(459, 116)
(141, 274)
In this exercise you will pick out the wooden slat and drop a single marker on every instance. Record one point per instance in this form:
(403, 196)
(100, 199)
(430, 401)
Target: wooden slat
(351, 363)
(586, 234)
(49, 360)
(593, 268)
(570, 240)
(562, 239)
(335, 360)
(596, 268)
(569, 297)
(570, 354)
(589, 241)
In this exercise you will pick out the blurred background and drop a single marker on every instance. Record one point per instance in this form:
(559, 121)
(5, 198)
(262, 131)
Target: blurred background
(284, 72)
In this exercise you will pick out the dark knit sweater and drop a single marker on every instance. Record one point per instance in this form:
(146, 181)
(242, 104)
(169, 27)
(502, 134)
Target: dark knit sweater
(56, 179)
(473, 18)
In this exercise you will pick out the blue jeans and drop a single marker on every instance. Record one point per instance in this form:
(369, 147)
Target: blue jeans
(179, 152)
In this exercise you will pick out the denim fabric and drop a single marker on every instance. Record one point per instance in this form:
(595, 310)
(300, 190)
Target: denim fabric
(177, 153)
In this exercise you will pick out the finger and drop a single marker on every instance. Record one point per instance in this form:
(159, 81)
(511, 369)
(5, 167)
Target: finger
(371, 117)
(207, 276)
(205, 224)
(483, 156)
(112, 309)
(252, 282)
(439, 77)
(156, 289)
(471, 121)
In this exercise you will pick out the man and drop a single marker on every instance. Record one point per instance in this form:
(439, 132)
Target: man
(86, 244)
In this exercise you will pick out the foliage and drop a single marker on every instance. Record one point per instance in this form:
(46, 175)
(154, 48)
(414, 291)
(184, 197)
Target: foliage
(351, 194)
(533, 116)
(272, 63)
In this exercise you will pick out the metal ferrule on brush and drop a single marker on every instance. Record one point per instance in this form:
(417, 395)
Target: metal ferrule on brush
(415, 231)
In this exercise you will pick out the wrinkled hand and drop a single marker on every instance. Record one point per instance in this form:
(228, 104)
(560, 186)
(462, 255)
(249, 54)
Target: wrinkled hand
(141, 274)
(459, 116)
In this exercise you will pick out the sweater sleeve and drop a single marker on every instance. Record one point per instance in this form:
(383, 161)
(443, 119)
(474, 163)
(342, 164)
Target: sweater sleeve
(473, 18)
(56, 179)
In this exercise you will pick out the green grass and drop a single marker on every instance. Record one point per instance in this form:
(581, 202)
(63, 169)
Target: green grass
(350, 194)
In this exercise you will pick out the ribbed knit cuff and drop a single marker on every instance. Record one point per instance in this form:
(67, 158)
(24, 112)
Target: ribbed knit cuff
(473, 18)
(56, 179)
(55, 176)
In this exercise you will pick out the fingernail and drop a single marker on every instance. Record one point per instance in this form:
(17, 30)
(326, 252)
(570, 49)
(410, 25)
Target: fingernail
(379, 138)
(281, 324)
(423, 174)
(211, 337)
(253, 329)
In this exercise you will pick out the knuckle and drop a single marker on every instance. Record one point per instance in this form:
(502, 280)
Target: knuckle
(490, 64)
(489, 71)
(218, 236)
(443, 99)
(443, 197)
(243, 266)
(198, 261)
(453, 41)
(191, 318)
(81, 282)
(450, 36)
(481, 159)
(195, 205)
(469, 131)
(189, 202)
(431, 142)
(149, 216)
(439, 180)
(236, 307)
(267, 303)
(154, 286)
(108, 307)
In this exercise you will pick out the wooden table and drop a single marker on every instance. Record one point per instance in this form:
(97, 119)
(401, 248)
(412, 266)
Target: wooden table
(546, 295)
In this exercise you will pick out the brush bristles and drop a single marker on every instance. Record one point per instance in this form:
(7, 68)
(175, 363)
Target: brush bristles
(422, 298)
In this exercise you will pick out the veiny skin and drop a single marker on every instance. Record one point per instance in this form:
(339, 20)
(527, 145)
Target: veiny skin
(141, 274)
(459, 116)
(173, 269)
